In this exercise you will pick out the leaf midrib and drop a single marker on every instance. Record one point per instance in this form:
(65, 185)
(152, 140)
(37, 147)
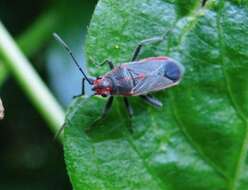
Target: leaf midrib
(132, 144)
(179, 123)
(243, 151)
(211, 164)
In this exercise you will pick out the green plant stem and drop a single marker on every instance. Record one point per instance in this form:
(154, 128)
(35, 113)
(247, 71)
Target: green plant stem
(37, 34)
(30, 81)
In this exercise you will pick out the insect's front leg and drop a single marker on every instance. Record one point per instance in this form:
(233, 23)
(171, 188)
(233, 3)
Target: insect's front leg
(83, 86)
(107, 107)
(82, 89)
(110, 63)
(128, 106)
(151, 100)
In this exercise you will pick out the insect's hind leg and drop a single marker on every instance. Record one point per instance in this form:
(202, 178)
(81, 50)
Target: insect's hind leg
(146, 42)
(110, 63)
(128, 106)
(151, 100)
(107, 107)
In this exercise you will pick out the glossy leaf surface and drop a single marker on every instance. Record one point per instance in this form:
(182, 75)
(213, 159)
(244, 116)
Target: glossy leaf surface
(199, 139)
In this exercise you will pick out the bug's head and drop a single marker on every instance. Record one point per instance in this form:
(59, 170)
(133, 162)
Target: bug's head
(174, 71)
(102, 86)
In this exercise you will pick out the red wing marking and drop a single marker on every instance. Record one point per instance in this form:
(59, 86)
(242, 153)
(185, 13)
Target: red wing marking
(160, 58)
(141, 76)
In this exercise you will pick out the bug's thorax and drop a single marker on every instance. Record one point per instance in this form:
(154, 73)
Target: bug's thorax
(102, 86)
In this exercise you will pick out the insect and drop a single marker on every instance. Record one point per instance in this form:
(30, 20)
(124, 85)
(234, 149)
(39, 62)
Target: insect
(134, 78)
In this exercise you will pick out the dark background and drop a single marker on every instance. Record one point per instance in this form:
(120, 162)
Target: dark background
(29, 158)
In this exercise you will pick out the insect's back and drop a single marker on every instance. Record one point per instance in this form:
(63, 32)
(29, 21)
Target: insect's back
(145, 76)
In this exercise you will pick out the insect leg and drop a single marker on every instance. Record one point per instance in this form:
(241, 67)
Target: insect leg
(151, 100)
(83, 87)
(145, 42)
(107, 106)
(128, 106)
(111, 65)
(82, 90)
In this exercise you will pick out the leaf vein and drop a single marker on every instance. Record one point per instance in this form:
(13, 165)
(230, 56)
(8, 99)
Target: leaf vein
(180, 125)
(240, 114)
(132, 144)
(192, 142)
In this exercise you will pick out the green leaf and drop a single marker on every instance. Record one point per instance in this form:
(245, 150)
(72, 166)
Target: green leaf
(199, 139)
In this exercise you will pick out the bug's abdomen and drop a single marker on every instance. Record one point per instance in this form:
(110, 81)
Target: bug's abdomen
(154, 74)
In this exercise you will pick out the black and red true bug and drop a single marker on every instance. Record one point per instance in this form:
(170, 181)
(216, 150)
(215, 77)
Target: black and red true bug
(134, 78)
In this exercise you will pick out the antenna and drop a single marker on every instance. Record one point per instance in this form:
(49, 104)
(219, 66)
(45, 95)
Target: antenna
(56, 36)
